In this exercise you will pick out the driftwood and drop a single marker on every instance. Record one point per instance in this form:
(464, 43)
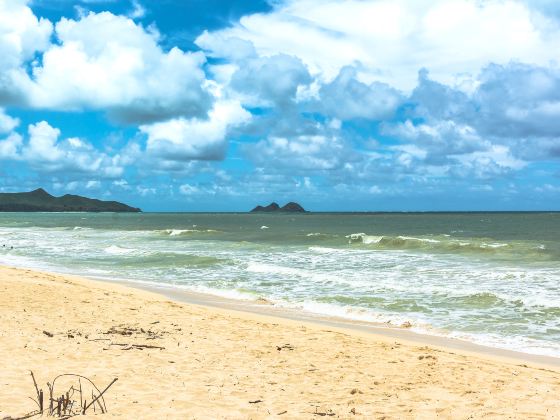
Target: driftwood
(136, 346)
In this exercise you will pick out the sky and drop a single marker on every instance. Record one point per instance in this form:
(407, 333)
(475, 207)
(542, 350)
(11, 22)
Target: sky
(340, 105)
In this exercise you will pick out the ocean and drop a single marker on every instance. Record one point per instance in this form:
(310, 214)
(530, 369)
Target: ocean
(488, 278)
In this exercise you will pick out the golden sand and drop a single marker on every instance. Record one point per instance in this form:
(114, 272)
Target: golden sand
(216, 364)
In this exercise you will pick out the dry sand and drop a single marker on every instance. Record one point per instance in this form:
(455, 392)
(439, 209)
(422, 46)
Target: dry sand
(223, 364)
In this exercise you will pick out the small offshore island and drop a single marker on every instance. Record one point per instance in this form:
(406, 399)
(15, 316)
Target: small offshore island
(273, 207)
(41, 201)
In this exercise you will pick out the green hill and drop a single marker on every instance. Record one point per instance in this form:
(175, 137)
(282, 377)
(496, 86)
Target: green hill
(40, 200)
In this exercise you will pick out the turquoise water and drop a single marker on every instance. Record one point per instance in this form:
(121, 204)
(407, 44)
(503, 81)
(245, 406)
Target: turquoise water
(491, 278)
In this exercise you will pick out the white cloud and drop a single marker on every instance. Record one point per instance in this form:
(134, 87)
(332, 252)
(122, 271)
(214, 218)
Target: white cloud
(305, 152)
(496, 158)
(109, 62)
(93, 185)
(45, 152)
(270, 81)
(187, 189)
(22, 34)
(10, 146)
(440, 137)
(7, 123)
(185, 139)
(347, 98)
(121, 183)
(99, 61)
(393, 39)
(145, 191)
(138, 11)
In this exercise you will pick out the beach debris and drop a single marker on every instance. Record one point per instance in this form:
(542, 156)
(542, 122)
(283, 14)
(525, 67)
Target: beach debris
(285, 347)
(282, 412)
(255, 401)
(263, 301)
(142, 347)
(322, 412)
(68, 404)
(406, 324)
(129, 331)
(355, 391)
(48, 334)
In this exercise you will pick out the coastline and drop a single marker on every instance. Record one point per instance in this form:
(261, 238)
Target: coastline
(270, 312)
(218, 362)
(266, 310)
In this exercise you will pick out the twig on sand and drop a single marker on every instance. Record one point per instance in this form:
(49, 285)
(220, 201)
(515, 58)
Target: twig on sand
(65, 405)
(100, 395)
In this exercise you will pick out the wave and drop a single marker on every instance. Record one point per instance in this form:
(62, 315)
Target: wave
(326, 250)
(117, 250)
(444, 243)
(185, 232)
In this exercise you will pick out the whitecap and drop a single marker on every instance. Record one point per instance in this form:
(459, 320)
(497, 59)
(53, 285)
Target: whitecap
(117, 250)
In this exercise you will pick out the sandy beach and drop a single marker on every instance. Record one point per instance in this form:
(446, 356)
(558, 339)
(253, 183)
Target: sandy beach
(207, 363)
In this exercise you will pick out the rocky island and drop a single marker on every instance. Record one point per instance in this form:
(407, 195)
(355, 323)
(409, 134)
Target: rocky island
(291, 207)
(40, 200)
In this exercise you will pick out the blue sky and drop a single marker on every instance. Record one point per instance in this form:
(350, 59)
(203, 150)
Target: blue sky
(338, 104)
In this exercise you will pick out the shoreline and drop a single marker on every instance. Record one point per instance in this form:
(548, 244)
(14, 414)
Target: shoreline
(187, 360)
(275, 313)
(266, 310)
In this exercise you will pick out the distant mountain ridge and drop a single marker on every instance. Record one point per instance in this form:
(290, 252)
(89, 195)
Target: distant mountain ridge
(291, 207)
(40, 200)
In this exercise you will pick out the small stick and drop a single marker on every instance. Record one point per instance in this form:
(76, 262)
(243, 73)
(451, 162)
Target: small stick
(147, 346)
(39, 393)
(81, 400)
(99, 396)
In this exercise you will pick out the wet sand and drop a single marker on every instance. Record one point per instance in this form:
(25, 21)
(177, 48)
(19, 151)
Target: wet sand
(210, 361)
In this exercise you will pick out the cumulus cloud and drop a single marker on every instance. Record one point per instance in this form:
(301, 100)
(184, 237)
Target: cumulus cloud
(187, 189)
(203, 139)
(496, 161)
(45, 152)
(441, 138)
(9, 147)
(270, 81)
(306, 152)
(519, 100)
(138, 10)
(108, 62)
(22, 35)
(379, 34)
(515, 105)
(347, 98)
(7, 123)
(100, 61)
(383, 60)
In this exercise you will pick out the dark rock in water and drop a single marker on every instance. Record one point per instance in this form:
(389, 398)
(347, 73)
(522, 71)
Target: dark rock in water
(40, 200)
(274, 207)
(270, 208)
(293, 207)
